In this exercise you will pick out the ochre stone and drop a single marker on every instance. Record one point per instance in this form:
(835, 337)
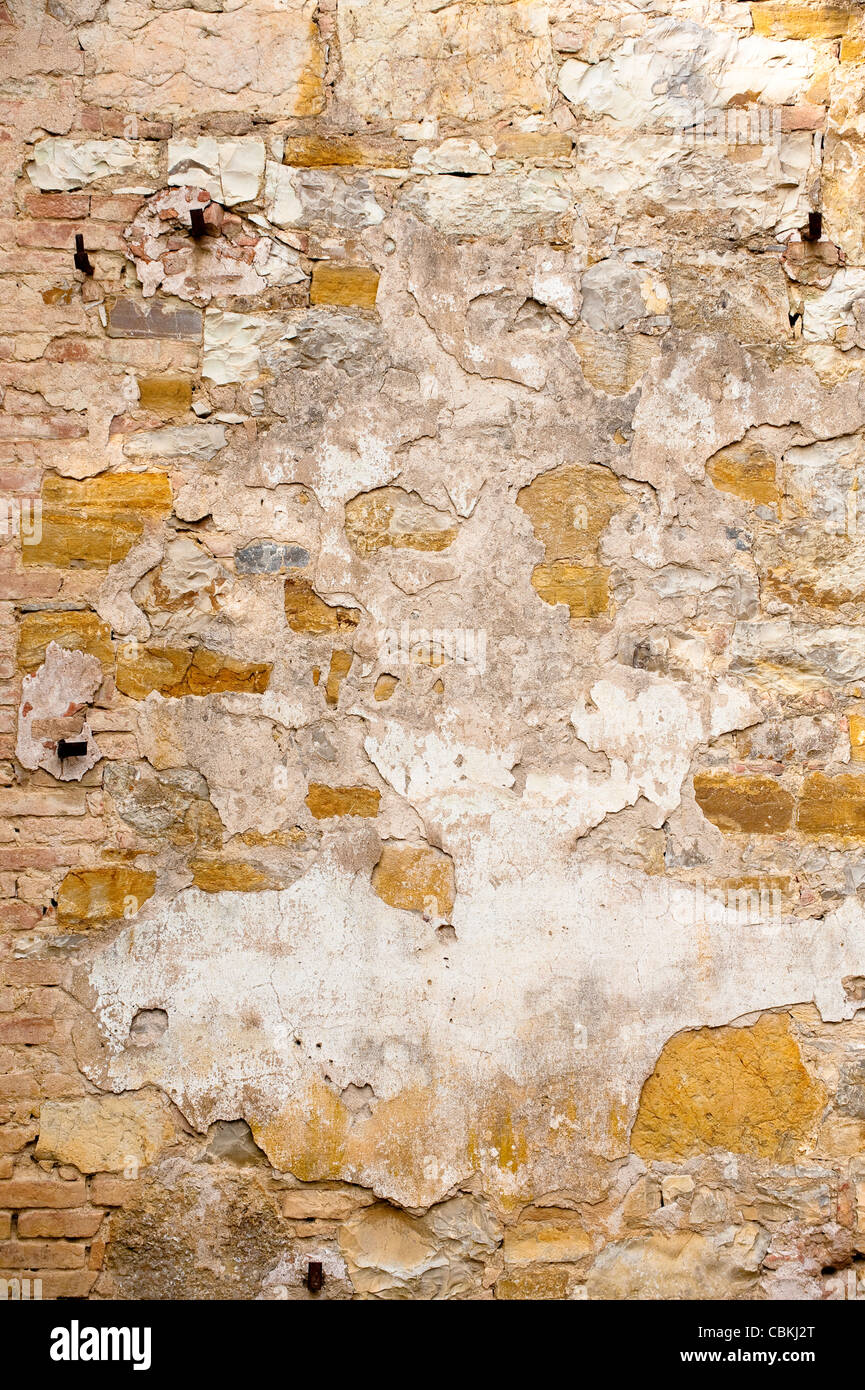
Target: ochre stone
(613, 362)
(856, 726)
(550, 1282)
(325, 802)
(323, 1203)
(385, 686)
(743, 1090)
(230, 876)
(391, 517)
(76, 629)
(165, 395)
(105, 894)
(533, 144)
(320, 151)
(787, 21)
(202, 828)
(417, 878)
(340, 665)
(94, 523)
(99, 1134)
(347, 286)
(256, 838)
(585, 591)
(174, 673)
(306, 612)
(832, 806)
(569, 508)
(754, 805)
(745, 470)
(547, 1235)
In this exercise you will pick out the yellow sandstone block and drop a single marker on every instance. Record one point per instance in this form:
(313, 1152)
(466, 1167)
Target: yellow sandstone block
(417, 878)
(833, 806)
(230, 876)
(569, 508)
(322, 151)
(347, 286)
(306, 612)
(76, 630)
(173, 672)
(744, 1090)
(783, 21)
(325, 802)
(89, 896)
(390, 517)
(745, 470)
(751, 805)
(856, 726)
(165, 395)
(94, 523)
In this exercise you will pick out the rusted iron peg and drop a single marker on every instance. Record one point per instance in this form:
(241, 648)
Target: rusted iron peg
(81, 258)
(815, 227)
(199, 227)
(71, 748)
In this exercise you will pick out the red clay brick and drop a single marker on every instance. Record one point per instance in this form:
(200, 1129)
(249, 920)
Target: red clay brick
(65, 1283)
(16, 588)
(26, 1030)
(14, 480)
(60, 236)
(96, 1257)
(18, 1086)
(116, 123)
(15, 1138)
(57, 204)
(115, 207)
(76, 1224)
(42, 1192)
(18, 857)
(41, 1254)
(106, 1191)
(31, 972)
(42, 427)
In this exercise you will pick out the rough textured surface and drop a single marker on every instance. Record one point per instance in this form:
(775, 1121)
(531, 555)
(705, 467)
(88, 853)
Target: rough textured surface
(438, 517)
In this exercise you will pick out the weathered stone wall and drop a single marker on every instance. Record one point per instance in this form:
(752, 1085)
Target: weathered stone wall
(433, 633)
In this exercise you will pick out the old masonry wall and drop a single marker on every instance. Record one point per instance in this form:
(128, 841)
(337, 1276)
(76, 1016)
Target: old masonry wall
(433, 643)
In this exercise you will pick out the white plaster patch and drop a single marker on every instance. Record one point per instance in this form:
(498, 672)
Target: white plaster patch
(539, 978)
(53, 707)
(229, 170)
(62, 164)
(831, 316)
(676, 69)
